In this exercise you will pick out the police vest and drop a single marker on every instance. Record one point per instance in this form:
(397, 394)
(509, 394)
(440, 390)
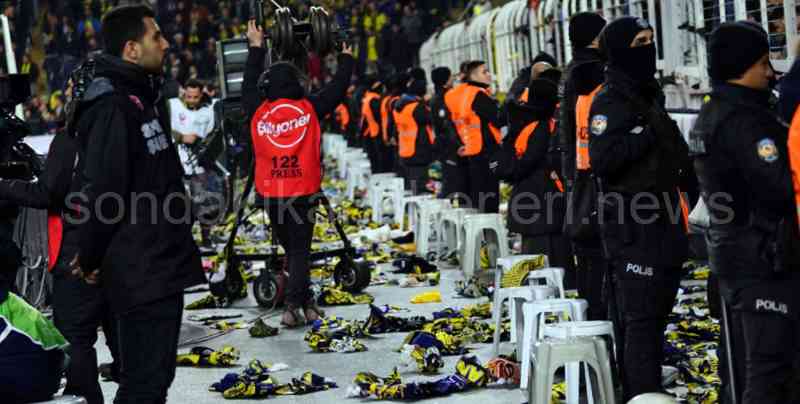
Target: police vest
(286, 144)
(366, 112)
(468, 123)
(386, 107)
(521, 144)
(342, 117)
(582, 108)
(408, 130)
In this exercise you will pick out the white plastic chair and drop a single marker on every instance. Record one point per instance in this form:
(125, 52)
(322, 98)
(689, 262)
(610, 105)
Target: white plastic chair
(473, 233)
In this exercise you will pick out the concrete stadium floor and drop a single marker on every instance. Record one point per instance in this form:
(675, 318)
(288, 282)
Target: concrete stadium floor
(191, 384)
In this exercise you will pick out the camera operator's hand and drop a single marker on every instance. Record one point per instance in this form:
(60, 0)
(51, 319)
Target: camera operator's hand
(189, 138)
(92, 278)
(255, 34)
(347, 49)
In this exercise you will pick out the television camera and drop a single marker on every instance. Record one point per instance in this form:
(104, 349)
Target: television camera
(292, 39)
(17, 159)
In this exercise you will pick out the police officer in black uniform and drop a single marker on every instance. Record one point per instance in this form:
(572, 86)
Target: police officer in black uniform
(584, 73)
(638, 160)
(742, 164)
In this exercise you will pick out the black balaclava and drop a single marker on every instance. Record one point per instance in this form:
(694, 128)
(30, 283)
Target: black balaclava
(734, 48)
(584, 28)
(639, 63)
(282, 80)
(542, 97)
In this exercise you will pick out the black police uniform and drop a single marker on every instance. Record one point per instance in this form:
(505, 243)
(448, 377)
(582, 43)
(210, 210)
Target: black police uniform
(584, 74)
(744, 175)
(645, 246)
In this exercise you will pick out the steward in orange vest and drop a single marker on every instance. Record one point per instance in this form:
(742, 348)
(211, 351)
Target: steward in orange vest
(415, 138)
(370, 126)
(537, 206)
(476, 118)
(395, 87)
(447, 141)
(584, 79)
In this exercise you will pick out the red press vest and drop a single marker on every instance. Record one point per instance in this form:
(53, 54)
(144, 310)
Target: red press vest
(286, 144)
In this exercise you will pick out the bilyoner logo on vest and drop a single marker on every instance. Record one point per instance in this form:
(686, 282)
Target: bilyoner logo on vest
(284, 125)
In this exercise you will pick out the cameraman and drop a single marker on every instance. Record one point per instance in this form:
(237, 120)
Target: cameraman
(286, 135)
(78, 308)
(192, 118)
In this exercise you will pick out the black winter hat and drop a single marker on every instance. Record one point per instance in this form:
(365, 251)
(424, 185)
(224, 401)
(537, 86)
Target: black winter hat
(584, 28)
(440, 76)
(418, 88)
(734, 48)
(416, 73)
(282, 80)
(542, 92)
(544, 57)
(617, 36)
(553, 75)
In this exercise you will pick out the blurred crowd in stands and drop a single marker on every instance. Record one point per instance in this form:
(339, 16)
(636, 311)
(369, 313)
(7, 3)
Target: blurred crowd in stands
(59, 34)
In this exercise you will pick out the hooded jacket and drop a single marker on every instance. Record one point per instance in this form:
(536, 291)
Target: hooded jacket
(129, 170)
(584, 74)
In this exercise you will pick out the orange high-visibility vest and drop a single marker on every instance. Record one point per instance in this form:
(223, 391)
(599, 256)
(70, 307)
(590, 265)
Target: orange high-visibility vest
(468, 123)
(408, 130)
(521, 145)
(582, 108)
(373, 129)
(524, 96)
(794, 158)
(386, 108)
(451, 100)
(342, 116)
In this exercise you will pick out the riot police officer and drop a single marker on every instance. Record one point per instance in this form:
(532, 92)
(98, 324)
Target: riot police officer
(740, 150)
(584, 78)
(638, 153)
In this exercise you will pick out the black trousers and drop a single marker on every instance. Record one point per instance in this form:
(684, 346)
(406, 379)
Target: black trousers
(558, 250)
(484, 187)
(765, 343)
(148, 344)
(78, 309)
(416, 177)
(639, 310)
(294, 226)
(590, 274)
(455, 182)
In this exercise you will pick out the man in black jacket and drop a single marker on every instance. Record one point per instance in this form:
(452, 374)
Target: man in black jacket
(743, 168)
(584, 75)
(136, 222)
(639, 165)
